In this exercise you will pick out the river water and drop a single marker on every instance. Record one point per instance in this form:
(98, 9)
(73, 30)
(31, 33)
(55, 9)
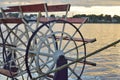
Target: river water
(108, 61)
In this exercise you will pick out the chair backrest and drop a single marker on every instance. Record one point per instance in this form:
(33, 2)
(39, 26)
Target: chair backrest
(59, 8)
(55, 8)
(26, 8)
(34, 8)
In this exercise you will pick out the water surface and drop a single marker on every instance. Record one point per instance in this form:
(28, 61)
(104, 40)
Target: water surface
(108, 61)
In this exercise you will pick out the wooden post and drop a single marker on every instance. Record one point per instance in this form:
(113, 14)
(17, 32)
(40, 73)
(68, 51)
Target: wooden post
(63, 73)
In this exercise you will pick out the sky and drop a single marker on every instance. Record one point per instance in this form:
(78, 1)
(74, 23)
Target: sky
(110, 7)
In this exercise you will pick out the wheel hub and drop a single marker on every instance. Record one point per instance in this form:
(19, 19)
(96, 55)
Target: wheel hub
(57, 54)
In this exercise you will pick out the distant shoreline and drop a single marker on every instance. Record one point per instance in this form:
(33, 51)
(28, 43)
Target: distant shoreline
(91, 18)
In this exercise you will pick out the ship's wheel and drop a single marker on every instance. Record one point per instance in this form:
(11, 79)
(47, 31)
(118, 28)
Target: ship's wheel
(51, 40)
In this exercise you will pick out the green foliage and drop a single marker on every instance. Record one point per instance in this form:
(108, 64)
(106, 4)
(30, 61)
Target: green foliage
(99, 18)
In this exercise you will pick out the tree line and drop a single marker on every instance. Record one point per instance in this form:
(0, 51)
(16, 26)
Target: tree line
(99, 18)
(92, 18)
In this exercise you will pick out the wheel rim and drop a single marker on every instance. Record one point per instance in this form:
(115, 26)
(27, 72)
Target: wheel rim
(1, 48)
(60, 49)
(18, 37)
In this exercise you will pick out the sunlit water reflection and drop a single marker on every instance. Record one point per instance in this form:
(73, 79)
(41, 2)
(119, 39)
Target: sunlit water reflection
(108, 61)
